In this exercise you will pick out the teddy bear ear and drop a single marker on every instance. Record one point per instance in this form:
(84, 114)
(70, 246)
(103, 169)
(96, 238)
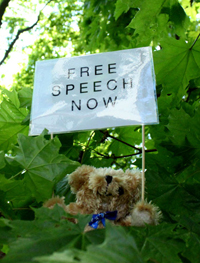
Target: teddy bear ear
(79, 177)
(134, 177)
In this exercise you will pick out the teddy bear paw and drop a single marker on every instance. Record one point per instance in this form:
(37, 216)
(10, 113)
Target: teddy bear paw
(145, 213)
(55, 200)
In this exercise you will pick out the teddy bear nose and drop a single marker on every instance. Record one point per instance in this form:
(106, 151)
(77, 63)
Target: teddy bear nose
(108, 179)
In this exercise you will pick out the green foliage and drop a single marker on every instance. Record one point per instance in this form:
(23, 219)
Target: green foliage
(123, 249)
(33, 168)
(11, 117)
(151, 19)
(176, 64)
(35, 163)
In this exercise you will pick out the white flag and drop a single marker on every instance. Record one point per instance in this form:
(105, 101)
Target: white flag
(95, 91)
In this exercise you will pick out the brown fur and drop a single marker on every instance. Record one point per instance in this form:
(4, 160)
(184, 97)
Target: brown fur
(55, 200)
(94, 194)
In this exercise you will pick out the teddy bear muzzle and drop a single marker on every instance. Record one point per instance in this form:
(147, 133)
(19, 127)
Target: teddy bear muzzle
(109, 188)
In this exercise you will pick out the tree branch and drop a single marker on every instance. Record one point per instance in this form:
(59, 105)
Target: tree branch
(20, 31)
(106, 133)
(3, 6)
(16, 38)
(101, 154)
(130, 155)
(113, 156)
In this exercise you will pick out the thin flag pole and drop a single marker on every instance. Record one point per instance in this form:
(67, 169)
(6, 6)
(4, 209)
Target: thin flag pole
(143, 162)
(52, 139)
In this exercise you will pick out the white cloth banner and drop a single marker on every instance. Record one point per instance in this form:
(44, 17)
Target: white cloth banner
(95, 91)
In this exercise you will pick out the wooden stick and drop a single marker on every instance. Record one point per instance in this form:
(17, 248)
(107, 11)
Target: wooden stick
(143, 162)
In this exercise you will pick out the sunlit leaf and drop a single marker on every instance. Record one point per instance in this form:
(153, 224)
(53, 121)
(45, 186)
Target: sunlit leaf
(11, 117)
(176, 64)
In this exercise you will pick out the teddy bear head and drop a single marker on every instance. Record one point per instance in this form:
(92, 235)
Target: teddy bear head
(99, 190)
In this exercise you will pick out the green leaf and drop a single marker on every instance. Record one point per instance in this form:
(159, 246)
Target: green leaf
(179, 126)
(159, 243)
(11, 116)
(48, 233)
(5, 207)
(45, 214)
(5, 222)
(147, 13)
(63, 189)
(158, 247)
(176, 64)
(15, 192)
(157, 19)
(193, 131)
(25, 97)
(41, 168)
(6, 234)
(192, 246)
(180, 21)
(122, 7)
(122, 249)
(2, 160)
(170, 195)
(11, 96)
(67, 256)
(42, 163)
(191, 238)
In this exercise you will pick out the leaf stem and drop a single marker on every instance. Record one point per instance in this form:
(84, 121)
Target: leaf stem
(195, 42)
(15, 175)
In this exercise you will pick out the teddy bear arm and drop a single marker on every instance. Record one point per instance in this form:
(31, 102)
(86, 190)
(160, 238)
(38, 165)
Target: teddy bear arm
(74, 209)
(145, 213)
(124, 221)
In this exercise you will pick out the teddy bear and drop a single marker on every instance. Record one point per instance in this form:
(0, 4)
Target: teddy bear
(110, 194)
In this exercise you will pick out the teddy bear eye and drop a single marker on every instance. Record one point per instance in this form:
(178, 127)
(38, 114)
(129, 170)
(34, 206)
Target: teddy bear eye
(108, 179)
(121, 191)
